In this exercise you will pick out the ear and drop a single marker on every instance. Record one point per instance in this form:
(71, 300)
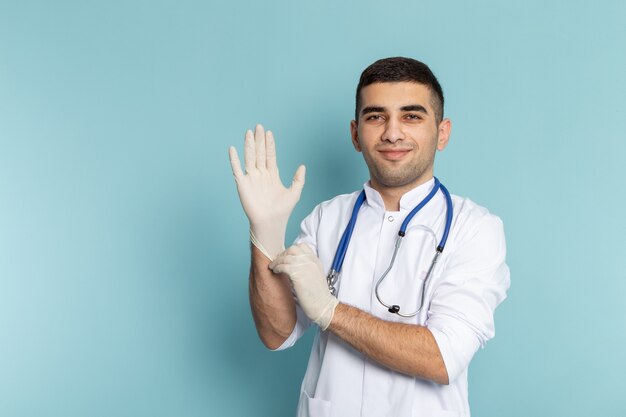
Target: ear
(445, 127)
(354, 132)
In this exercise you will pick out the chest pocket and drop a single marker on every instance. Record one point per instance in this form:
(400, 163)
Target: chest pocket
(404, 284)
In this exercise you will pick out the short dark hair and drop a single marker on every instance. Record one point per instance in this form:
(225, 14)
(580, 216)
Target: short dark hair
(399, 69)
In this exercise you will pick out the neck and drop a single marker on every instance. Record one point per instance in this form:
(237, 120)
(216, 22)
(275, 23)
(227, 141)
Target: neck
(392, 195)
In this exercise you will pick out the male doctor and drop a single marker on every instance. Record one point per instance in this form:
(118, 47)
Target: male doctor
(366, 359)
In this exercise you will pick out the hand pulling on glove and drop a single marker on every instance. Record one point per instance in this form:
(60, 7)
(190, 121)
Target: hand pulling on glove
(307, 276)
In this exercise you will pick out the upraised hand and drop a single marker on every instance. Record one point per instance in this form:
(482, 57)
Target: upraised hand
(265, 200)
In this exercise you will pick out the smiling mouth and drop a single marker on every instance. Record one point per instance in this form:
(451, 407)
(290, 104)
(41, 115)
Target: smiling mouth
(394, 154)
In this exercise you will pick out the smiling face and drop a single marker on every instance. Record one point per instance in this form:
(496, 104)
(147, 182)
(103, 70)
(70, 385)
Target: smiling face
(398, 133)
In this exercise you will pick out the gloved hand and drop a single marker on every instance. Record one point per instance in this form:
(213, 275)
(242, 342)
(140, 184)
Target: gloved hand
(306, 273)
(265, 200)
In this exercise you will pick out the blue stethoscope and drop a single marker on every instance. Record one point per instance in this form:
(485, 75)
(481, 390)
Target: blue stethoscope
(340, 254)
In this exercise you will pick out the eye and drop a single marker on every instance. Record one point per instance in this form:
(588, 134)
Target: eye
(412, 116)
(375, 117)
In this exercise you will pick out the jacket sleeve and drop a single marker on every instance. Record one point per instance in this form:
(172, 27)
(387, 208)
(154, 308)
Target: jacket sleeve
(473, 283)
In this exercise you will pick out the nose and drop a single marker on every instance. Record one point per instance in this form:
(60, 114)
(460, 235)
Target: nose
(393, 131)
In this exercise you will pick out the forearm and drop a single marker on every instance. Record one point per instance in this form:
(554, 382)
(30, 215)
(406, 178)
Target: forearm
(271, 301)
(405, 348)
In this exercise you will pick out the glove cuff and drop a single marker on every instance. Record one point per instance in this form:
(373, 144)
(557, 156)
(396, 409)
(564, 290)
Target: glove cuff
(327, 314)
(274, 244)
(255, 242)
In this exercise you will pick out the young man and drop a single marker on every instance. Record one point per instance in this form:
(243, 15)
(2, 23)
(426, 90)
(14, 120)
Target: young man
(372, 356)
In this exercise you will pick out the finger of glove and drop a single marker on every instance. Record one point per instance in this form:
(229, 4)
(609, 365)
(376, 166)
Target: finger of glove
(300, 254)
(235, 163)
(259, 145)
(293, 271)
(302, 249)
(285, 258)
(281, 267)
(298, 182)
(291, 250)
(278, 260)
(306, 254)
(248, 148)
(270, 151)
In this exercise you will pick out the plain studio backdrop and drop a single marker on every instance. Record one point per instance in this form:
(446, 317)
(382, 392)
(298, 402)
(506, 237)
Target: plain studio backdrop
(123, 247)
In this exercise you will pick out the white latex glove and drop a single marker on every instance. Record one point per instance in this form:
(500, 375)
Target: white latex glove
(306, 273)
(265, 200)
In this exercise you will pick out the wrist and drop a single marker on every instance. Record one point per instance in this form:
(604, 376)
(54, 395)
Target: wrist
(273, 218)
(272, 224)
(326, 318)
(270, 240)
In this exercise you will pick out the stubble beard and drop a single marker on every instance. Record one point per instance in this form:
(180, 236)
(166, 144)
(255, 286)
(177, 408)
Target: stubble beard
(401, 176)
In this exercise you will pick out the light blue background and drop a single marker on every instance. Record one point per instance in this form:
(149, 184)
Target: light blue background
(123, 246)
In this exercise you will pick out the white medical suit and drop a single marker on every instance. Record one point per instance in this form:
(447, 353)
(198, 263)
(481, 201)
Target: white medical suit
(469, 281)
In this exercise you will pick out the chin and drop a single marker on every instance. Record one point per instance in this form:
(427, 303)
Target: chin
(400, 179)
(396, 182)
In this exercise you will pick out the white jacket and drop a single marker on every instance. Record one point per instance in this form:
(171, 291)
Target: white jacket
(469, 281)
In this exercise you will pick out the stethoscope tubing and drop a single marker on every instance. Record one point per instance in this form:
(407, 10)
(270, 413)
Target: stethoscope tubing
(342, 248)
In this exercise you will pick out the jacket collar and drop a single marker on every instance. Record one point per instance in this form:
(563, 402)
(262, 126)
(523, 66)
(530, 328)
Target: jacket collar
(407, 202)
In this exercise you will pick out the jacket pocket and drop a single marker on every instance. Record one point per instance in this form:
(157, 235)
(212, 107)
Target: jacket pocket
(313, 407)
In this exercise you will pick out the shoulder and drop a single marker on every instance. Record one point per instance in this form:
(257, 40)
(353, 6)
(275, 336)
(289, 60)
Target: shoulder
(324, 217)
(336, 205)
(477, 239)
(471, 219)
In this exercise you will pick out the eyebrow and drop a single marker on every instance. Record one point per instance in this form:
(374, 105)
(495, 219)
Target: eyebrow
(411, 107)
(372, 109)
(415, 107)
